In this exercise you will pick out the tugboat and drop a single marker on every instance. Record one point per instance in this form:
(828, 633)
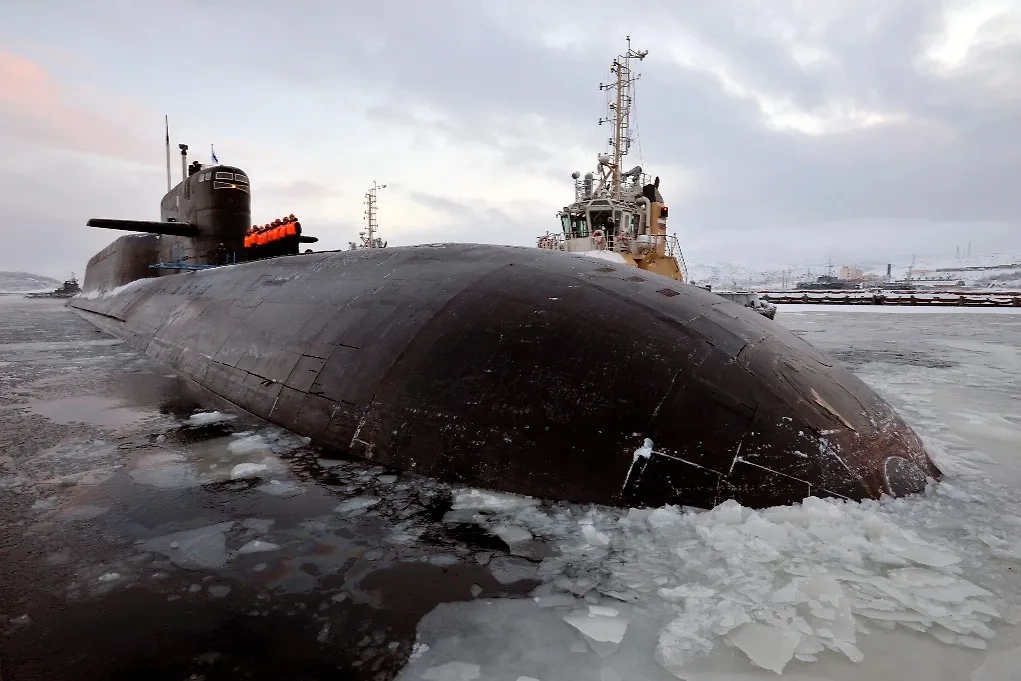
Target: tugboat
(69, 289)
(618, 214)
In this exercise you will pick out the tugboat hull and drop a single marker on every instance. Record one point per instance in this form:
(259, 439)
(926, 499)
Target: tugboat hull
(525, 371)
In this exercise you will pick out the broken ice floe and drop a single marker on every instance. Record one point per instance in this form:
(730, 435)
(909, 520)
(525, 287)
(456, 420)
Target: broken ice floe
(785, 583)
(257, 546)
(248, 470)
(203, 547)
(355, 506)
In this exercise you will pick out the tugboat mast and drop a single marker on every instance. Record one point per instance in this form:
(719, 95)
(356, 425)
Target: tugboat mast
(620, 112)
(369, 238)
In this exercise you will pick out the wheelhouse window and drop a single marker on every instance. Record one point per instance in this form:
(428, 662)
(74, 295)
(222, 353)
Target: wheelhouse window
(579, 226)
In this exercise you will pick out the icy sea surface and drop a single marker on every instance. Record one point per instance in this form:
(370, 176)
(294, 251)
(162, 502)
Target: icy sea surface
(151, 532)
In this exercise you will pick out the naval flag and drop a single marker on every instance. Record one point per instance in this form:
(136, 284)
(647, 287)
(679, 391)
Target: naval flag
(213, 153)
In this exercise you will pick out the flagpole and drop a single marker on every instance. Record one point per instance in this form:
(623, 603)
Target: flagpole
(166, 120)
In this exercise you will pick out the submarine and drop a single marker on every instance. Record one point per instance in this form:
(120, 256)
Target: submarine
(513, 369)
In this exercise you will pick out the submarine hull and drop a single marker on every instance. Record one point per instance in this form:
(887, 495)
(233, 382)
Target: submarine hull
(525, 371)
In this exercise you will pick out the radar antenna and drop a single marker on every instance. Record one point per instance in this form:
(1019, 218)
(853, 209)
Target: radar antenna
(620, 112)
(368, 237)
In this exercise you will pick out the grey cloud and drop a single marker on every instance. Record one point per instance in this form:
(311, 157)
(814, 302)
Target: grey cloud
(305, 189)
(950, 158)
(45, 213)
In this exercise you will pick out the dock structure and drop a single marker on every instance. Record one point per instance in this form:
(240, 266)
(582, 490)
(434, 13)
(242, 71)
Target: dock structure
(907, 297)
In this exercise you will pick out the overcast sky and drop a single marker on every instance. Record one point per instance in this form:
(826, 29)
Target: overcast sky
(783, 131)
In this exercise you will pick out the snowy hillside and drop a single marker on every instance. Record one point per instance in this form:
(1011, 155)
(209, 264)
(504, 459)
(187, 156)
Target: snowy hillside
(25, 282)
(996, 270)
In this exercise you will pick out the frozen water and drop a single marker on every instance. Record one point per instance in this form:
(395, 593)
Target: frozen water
(794, 582)
(1000, 666)
(767, 646)
(452, 671)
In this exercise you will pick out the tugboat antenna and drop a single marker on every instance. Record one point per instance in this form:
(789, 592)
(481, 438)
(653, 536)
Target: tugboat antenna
(620, 109)
(369, 238)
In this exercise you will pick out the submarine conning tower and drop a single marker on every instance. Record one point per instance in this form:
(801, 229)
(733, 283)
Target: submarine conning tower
(202, 223)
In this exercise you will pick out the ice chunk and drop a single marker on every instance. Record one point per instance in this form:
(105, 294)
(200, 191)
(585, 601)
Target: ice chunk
(388, 479)
(921, 553)
(602, 628)
(510, 569)
(493, 501)
(248, 444)
(203, 547)
(767, 646)
(208, 418)
(329, 463)
(218, 590)
(554, 601)
(281, 488)
(257, 546)
(165, 471)
(444, 559)
(452, 671)
(260, 525)
(594, 536)
(355, 506)
(247, 470)
(511, 534)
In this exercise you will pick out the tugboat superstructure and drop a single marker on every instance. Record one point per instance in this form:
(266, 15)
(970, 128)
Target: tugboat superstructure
(619, 214)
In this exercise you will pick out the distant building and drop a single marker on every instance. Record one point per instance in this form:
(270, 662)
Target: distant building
(848, 273)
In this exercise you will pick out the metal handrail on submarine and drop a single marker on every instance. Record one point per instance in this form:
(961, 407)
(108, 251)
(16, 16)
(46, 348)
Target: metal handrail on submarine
(205, 221)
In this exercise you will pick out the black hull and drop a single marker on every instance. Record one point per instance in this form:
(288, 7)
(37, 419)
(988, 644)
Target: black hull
(525, 371)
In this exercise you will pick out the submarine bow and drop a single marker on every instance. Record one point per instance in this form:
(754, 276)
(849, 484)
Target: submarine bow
(525, 371)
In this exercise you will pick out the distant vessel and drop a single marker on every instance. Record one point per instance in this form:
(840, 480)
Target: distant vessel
(68, 289)
(369, 238)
